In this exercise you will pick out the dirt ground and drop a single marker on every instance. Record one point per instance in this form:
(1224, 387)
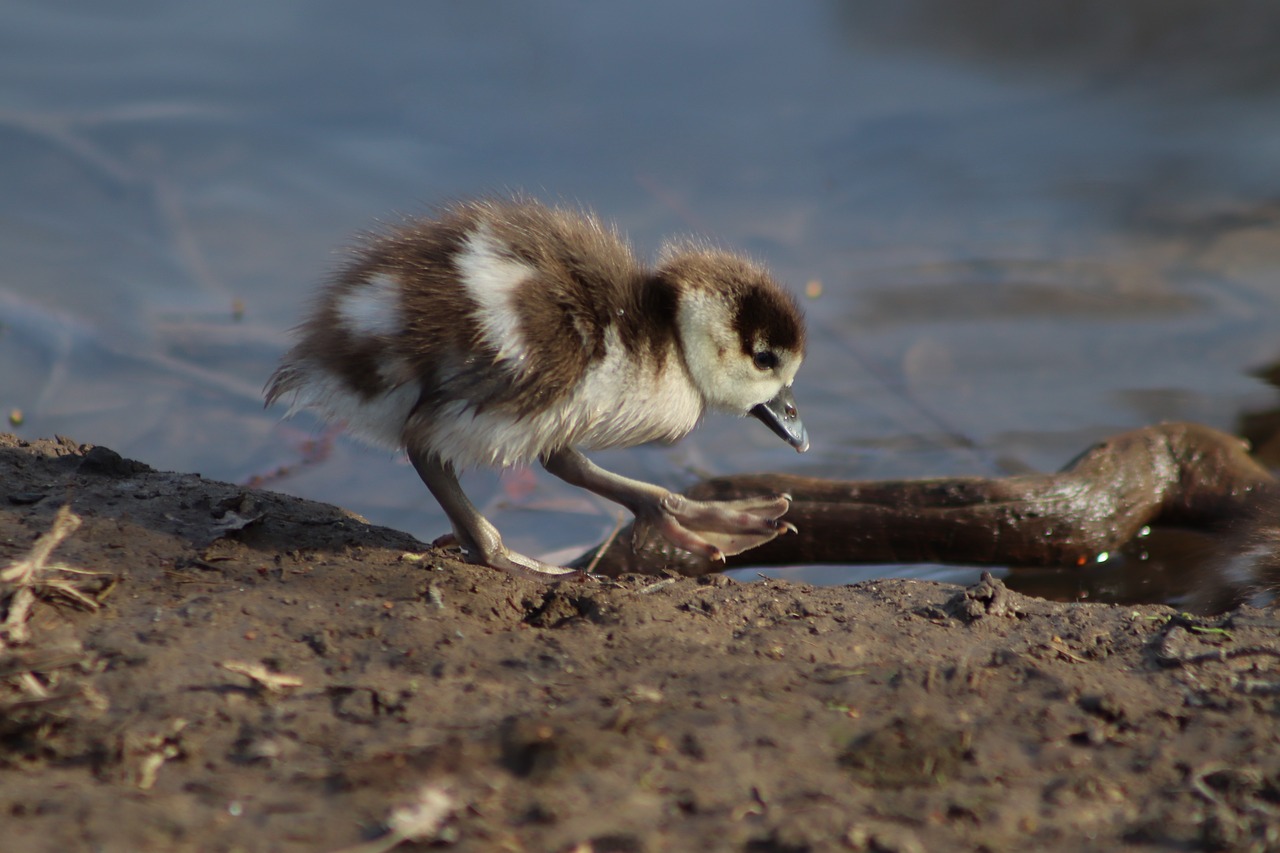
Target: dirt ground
(265, 673)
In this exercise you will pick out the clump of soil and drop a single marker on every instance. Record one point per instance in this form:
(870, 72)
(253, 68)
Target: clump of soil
(266, 673)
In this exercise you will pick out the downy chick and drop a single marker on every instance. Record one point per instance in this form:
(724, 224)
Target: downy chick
(504, 331)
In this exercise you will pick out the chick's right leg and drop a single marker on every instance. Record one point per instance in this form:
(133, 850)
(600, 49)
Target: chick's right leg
(714, 529)
(480, 541)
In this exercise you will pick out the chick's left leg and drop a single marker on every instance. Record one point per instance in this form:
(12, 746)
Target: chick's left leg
(479, 540)
(712, 529)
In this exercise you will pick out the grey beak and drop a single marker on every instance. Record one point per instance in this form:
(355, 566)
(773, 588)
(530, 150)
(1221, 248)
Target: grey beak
(780, 415)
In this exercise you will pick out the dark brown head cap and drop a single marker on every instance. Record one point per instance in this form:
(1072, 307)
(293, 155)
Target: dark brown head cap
(764, 314)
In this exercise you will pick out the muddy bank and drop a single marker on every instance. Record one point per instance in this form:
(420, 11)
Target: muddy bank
(265, 673)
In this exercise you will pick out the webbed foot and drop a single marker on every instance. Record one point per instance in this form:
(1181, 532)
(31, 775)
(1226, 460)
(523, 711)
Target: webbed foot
(713, 529)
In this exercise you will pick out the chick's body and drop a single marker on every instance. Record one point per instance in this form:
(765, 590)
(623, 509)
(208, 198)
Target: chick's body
(503, 332)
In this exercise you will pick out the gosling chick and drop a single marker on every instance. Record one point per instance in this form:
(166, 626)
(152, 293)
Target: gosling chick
(504, 331)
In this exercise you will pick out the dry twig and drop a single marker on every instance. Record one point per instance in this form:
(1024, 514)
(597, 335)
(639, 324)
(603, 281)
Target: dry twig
(272, 681)
(419, 820)
(33, 576)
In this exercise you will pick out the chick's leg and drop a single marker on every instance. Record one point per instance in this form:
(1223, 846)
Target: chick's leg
(713, 529)
(480, 540)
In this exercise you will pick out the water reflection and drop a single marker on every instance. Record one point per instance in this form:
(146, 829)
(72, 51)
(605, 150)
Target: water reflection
(1175, 43)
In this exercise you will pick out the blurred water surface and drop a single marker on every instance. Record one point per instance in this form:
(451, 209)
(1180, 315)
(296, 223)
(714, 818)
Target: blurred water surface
(1030, 225)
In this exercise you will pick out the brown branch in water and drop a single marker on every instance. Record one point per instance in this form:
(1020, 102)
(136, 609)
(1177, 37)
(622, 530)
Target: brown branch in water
(1176, 474)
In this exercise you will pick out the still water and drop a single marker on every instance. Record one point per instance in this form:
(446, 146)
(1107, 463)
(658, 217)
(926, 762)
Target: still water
(1027, 227)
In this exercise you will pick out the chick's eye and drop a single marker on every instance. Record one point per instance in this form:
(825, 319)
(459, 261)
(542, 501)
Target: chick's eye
(765, 360)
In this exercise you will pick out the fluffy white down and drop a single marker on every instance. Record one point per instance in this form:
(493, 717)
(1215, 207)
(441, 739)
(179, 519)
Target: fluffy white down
(491, 279)
(619, 403)
(372, 309)
(379, 421)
